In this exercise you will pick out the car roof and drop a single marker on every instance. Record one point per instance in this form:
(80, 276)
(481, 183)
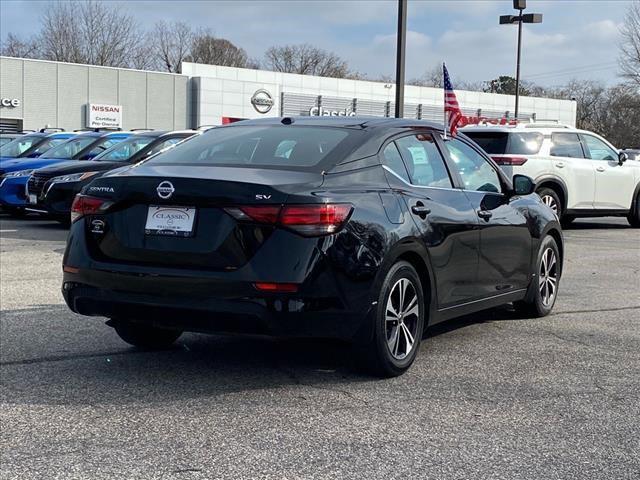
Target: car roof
(362, 122)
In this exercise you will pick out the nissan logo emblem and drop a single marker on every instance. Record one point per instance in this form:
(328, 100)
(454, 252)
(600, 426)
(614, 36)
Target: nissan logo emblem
(165, 189)
(262, 101)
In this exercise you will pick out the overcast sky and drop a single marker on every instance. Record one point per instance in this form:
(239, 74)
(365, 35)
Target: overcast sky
(577, 39)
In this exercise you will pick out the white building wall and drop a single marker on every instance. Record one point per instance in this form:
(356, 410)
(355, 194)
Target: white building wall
(57, 94)
(227, 91)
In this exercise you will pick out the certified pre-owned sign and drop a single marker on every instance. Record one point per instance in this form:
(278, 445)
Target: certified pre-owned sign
(262, 101)
(104, 116)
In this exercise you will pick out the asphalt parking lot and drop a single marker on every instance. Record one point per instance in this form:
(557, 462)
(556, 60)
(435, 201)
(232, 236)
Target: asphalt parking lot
(489, 397)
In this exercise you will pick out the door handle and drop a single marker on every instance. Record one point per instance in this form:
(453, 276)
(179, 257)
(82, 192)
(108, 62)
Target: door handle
(559, 164)
(420, 210)
(486, 214)
(600, 169)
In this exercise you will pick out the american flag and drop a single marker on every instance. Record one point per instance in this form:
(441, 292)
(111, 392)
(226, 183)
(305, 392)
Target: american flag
(452, 111)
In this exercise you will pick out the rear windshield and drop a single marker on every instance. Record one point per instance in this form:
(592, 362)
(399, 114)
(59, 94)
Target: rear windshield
(510, 143)
(268, 146)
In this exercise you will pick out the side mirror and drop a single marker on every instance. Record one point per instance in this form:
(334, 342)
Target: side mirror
(622, 157)
(523, 185)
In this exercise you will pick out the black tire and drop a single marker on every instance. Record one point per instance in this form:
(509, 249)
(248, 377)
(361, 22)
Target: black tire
(634, 214)
(551, 199)
(535, 304)
(145, 336)
(378, 355)
(567, 220)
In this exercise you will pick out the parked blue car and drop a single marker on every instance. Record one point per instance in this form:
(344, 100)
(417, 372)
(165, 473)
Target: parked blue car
(32, 145)
(16, 172)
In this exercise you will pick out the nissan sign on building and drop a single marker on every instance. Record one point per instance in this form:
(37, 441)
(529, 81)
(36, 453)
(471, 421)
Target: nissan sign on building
(104, 116)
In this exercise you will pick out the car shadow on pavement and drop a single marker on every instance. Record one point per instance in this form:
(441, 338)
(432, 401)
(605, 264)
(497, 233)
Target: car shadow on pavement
(111, 373)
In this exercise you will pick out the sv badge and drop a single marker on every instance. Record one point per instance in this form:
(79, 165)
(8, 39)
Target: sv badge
(260, 196)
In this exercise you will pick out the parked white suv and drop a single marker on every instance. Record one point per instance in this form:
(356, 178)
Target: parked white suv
(577, 173)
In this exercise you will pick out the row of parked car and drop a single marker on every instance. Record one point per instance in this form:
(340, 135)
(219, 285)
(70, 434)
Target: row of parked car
(364, 229)
(42, 171)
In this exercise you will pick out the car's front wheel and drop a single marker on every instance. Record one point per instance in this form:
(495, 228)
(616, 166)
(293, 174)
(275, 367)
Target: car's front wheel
(144, 336)
(399, 322)
(543, 291)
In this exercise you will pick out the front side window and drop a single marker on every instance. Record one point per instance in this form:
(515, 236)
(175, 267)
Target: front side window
(124, 150)
(19, 146)
(476, 172)
(44, 146)
(162, 145)
(392, 159)
(566, 145)
(423, 160)
(101, 147)
(70, 148)
(263, 146)
(598, 150)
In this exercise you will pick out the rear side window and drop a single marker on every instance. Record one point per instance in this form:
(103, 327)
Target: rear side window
(566, 145)
(393, 160)
(258, 146)
(423, 160)
(509, 143)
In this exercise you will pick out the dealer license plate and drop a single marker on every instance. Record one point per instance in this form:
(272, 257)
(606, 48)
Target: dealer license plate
(170, 221)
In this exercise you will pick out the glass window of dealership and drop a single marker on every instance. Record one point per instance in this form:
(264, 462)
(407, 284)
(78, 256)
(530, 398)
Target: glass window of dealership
(35, 94)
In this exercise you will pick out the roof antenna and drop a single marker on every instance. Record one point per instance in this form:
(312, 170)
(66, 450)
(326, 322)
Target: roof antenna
(287, 121)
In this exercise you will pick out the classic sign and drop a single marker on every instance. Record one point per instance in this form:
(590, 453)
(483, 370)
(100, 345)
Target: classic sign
(104, 116)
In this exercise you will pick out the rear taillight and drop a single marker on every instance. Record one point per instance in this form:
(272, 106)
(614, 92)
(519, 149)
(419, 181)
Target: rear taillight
(307, 220)
(85, 205)
(514, 161)
(276, 287)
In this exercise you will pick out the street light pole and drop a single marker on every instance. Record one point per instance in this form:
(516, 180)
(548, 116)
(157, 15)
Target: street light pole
(519, 5)
(400, 57)
(518, 64)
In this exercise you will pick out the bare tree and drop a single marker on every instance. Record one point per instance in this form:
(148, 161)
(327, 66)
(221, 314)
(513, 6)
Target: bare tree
(630, 44)
(431, 78)
(89, 32)
(206, 48)
(171, 44)
(14, 46)
(306, 60)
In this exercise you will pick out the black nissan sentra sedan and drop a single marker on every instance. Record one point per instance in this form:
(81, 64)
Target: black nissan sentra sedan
(361, 229)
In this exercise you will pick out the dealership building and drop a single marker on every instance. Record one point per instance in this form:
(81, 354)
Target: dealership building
(36, 94)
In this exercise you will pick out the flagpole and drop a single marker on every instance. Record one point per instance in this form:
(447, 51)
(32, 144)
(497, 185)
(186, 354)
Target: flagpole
(445, 102)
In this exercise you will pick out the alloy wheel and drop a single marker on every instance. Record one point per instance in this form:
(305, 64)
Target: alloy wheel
(548, 277)
(401, 318)
(550, 202)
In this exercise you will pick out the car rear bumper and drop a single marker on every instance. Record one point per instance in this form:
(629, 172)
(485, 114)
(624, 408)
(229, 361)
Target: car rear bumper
(194, 305)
